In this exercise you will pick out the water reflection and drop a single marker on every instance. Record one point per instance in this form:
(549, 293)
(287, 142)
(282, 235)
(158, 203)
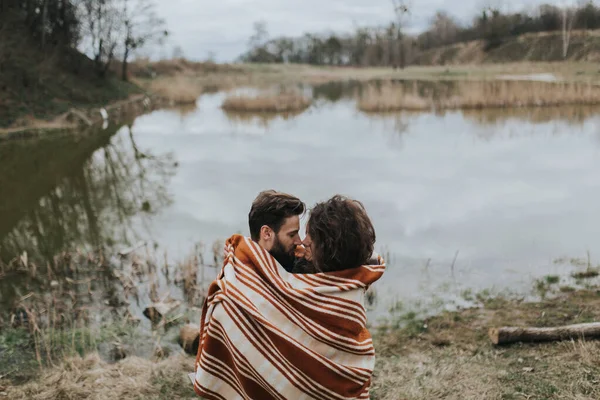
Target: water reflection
(573, 115)
(263, 119)
(498, 187)
(74, 191)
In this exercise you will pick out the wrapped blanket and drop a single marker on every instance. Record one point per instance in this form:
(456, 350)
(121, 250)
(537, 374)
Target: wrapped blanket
(268, 334)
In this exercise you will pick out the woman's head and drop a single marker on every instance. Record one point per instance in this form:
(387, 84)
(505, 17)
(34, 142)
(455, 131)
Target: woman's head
(339, 235)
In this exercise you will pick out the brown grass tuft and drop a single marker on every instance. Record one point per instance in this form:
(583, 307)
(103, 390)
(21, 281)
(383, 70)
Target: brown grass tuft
(178, 89)
(478, 95)
(448, 357)
(390, 98)
(93, 379)
(279, 103)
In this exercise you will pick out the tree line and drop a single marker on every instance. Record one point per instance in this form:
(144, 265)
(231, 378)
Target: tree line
(108, 30)
(388, 45)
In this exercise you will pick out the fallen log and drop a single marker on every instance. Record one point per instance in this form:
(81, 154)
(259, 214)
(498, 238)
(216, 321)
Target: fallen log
(157, 311)
(189, 338)
(508, 335)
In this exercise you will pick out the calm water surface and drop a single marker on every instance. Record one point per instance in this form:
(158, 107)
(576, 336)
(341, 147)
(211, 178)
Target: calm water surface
(459, 201)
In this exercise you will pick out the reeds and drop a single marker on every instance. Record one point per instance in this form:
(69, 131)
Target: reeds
(390, 98)
(267, 102)
(476, 96)
(179, 89)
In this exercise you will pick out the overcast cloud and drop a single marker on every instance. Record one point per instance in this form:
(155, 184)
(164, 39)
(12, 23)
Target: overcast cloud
(224, 26)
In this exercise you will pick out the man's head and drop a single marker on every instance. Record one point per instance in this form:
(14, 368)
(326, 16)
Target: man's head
(274, 221)
(339, 235)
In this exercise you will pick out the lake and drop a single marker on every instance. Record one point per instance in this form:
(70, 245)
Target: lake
(460, 200)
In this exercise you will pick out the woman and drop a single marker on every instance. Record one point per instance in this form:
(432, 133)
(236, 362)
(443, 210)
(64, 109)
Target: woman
(269, 334)
(339, 235)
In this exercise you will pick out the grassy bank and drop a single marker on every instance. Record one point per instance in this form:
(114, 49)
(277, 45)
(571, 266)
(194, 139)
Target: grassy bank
(224, 77)
(388, 96)
(38, 85)
(448, 356)
(530, 47)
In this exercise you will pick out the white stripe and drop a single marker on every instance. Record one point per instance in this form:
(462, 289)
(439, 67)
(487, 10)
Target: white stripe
(278, 298)
(290, 313)
(299, 377)
(361, 315)
(341, 368)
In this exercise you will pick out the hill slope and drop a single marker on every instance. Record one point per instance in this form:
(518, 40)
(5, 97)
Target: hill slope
(539, 47)
(40, 84)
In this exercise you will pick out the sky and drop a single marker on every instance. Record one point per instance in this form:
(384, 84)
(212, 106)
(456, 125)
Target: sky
(222, 27)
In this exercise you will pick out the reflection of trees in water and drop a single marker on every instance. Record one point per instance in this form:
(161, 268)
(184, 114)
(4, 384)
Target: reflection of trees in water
(263, 119)
(92, 202)
(95, 202)
(573, 115)
(396, 125)
(336, 91)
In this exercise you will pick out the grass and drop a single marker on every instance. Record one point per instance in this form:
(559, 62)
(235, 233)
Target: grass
(36, 86)
(388, 99)
(93, 378)
(448, 356)
(178, 90)
(271, 103)
(589, 274)
(453, 358)
(476, 96)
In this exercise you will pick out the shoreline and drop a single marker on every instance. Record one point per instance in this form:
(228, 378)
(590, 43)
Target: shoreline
(87, 118)
(227, 77)
(447, 356)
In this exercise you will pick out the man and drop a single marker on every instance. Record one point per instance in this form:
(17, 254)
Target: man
(274, 221)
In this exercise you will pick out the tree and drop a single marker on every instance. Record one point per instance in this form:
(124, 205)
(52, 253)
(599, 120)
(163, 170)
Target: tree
(101, 25)
(568, 16)
(401, 11)
(333, 50)
(178, 53)
(443, 29)
(260, 34)
(141, 26)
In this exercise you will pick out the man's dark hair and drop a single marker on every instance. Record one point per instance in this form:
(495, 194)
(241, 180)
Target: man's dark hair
(342, 234)
(272, 208)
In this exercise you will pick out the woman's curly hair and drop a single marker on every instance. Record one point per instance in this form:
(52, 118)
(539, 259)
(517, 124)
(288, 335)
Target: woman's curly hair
(342, 234)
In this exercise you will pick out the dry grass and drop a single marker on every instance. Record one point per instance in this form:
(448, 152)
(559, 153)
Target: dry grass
(389, 98)
(445, 357)
(451, 357)
(271, 103)
(477, 96)
(93, 379)
(570, 114)
(177, 89)
(144, 68)
(263, 119)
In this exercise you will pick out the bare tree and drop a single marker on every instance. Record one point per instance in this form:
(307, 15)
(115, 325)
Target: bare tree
(568, 17)
(178, 52)
(401, 10)
(443, 29)
(260, 35)
(141, 26)
(101, 24)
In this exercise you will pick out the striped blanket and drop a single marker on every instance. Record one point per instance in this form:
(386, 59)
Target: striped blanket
(268, 334)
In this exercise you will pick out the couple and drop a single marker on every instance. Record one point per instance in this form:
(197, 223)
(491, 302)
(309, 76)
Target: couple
(285, 318)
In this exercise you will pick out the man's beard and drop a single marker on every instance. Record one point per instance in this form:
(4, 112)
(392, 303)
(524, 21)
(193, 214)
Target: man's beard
(286, 259)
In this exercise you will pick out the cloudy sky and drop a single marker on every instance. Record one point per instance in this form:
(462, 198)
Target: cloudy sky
(222, 27)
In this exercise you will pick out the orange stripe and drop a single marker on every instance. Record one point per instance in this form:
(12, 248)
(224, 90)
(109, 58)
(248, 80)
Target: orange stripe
(314, 330)
(243, 361)
(335, 321)
(348, 371)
